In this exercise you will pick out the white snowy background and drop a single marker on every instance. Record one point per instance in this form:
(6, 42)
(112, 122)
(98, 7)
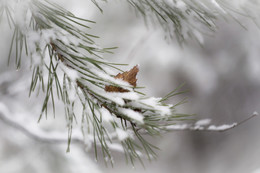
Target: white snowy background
(222, 76)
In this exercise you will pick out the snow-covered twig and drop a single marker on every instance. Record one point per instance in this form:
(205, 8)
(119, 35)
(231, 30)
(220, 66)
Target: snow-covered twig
(35, 134)
(204, 125)
(60, 138)
(44, 137)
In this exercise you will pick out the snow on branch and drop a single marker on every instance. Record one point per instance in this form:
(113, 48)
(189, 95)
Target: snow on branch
(33, 131)
(205, 126)
(39, 135)
(60, 138)
(185, 19)
(67, 64)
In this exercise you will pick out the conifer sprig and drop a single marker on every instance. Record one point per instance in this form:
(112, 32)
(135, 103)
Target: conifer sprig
(187, 19)
(67, 64)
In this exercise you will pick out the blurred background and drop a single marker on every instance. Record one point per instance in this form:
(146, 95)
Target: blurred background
(222, 77)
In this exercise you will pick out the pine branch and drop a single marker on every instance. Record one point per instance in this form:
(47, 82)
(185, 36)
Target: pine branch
(187, 19)
(66, 62)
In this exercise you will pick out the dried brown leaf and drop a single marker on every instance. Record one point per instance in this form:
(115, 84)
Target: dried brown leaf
(128, 76)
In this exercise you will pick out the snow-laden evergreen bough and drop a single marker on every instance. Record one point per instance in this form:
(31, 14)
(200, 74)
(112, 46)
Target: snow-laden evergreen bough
(183, 20)
(67, 64)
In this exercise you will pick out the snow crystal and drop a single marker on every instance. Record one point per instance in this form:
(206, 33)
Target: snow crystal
(121, 134)
(132, 114)
(221, 127)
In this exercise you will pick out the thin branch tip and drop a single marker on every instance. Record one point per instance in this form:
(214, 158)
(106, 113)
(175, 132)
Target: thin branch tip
(210, 128)
(255, 113)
